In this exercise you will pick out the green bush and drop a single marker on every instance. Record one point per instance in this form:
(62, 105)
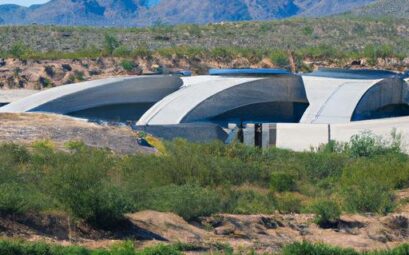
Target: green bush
(279, 58)
(189, 201)
(289, 202)
(19, 50)
(250, 202)
(327, 213)
(82, 185)
(122, 51)
(306, 248)
(281, 182)
(125, 248)
(110, 43)
(128, 65)
(367, 186)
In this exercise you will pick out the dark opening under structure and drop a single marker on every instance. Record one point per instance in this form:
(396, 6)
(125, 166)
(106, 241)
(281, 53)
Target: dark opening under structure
(386, 99)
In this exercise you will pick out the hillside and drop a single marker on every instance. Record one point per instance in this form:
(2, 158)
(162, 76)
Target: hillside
(393, 8)
(145, 12)
(344, 33)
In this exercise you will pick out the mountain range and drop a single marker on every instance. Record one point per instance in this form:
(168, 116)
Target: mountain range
(148, 12)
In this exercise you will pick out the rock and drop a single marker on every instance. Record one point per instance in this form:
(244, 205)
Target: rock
(224, 230)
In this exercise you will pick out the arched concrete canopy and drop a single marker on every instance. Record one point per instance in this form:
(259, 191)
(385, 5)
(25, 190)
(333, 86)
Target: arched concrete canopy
(221, 99)
(387, 98)
(339, 100)
(333, 100)
(139, 91)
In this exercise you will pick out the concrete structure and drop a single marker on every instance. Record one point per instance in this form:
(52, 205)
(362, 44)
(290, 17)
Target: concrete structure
(121, 99)
(344, 100)
(224, 100)
(12, 95)
(259, 107)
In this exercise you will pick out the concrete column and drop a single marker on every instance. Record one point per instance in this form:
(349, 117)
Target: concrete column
(249, 134)
(269, 135)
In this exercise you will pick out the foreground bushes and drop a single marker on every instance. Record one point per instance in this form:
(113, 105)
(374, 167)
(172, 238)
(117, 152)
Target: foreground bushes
(127, 248)
(322, 249)
(195, 180)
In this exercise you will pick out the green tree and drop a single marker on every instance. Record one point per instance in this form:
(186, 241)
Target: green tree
(110, 43)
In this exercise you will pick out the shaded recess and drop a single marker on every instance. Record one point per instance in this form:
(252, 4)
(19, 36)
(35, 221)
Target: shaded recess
(278, 99)
(114, 112)
(386, 99)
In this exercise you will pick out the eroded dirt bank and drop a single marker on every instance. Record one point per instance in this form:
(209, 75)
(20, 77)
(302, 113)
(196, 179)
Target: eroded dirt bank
(26, 128)
(40, 74)
(262, 233)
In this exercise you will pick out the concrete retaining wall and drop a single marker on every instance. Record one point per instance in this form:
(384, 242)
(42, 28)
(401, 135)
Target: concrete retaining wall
(301, 137)
(384, 128)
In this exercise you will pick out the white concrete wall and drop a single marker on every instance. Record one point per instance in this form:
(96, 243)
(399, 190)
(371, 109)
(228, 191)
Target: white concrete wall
(381, 127)
(301, 137)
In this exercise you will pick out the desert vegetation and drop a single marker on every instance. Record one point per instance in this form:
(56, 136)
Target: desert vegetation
(195, 180)
(309, 38)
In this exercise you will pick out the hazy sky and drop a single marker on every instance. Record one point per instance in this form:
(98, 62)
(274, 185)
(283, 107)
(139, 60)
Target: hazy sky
(23, 2)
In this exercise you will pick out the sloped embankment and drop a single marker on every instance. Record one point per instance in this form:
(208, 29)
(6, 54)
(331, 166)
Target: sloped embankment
(30, 127)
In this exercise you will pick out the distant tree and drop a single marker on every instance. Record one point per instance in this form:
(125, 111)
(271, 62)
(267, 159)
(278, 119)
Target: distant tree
(18, 50)
(110, 43)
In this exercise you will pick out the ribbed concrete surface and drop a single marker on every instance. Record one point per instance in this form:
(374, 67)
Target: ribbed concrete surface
(333, 100)
(12, 95)
(173, 108)
(85, 95)
(208, 96)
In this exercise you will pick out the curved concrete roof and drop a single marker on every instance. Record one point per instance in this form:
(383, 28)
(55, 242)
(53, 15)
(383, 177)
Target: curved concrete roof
(85, 95)
(12, 95)
(333, 100)
(341, 100)
(205, 97)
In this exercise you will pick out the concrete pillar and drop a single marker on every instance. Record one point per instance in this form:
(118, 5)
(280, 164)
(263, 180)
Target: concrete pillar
(249, 134)
(269, 135)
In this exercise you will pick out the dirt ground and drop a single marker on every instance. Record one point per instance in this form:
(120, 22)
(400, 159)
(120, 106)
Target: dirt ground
(26, 128)
(261, 233)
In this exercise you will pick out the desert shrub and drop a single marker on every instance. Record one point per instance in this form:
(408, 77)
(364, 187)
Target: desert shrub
(49, 70)
(222, 52)
(82, 185)
(288, 202)
(13, 153)
(19, 50)
(307, 30)
(110, 43)
(17, 199)
(279, 58)
(306, 248)
(281, 182)
(367, 186)
(327, 213)
(189, 201)
(318, 166)
(128, 65)
(249, 201)
(160, 250)
(79, 75)
(121, 51)
(142, 51)
(373, 52)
